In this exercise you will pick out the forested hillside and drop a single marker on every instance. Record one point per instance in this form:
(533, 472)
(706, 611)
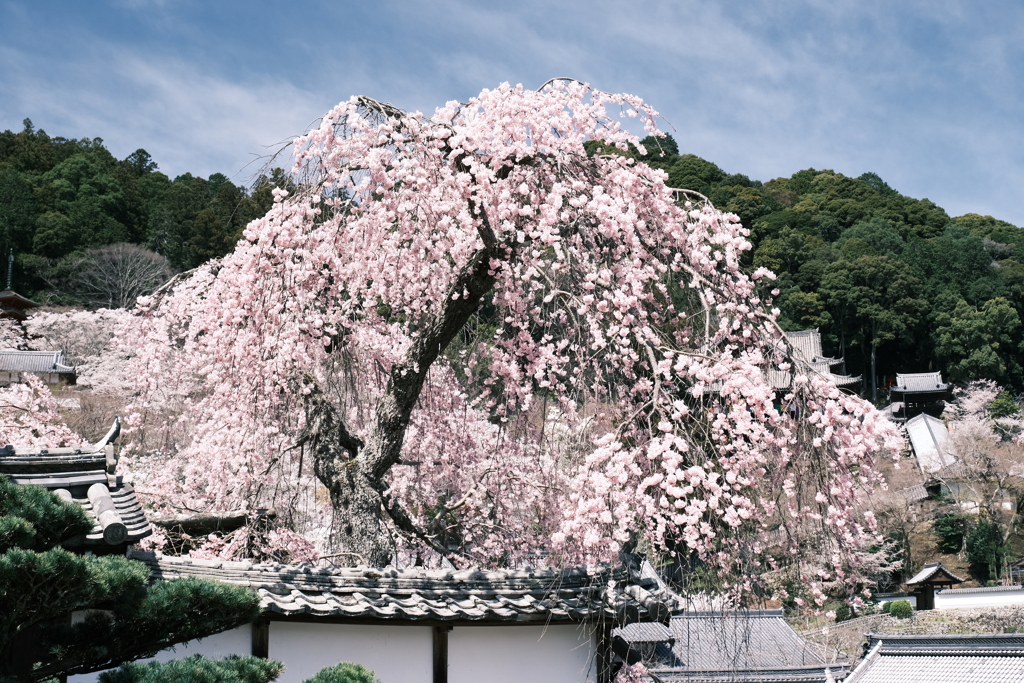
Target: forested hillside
(874, 270)
(60, 197)
(877, 271)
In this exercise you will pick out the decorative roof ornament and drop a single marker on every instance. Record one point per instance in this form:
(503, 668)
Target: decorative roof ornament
(85, 475)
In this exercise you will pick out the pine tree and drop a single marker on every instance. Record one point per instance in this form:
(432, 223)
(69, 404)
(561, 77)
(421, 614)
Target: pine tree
(42, 584)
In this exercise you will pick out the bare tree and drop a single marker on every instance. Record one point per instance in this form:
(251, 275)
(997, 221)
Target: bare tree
(115, 275)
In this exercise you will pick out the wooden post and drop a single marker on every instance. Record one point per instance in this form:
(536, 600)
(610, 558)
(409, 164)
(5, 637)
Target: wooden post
(441, 653)
(261, 638)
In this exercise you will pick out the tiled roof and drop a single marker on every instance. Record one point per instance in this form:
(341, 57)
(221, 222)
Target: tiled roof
(921, 382)
(997, 658)
(84, 475)
(419, 594)
(933, 572)
(34, 361)
(741, 646)
(982, 589)
(805, 349)
(806, 344)
(930, 440)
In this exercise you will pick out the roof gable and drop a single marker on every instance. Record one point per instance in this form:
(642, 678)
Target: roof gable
(934, 574)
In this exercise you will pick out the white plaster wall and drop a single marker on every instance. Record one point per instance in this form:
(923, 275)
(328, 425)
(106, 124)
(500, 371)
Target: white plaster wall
(993, 599)
(397, 654)
(912, 599)
(513, 654)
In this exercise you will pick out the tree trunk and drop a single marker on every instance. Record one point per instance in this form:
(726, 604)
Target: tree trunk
(354, 472)
(874, 375)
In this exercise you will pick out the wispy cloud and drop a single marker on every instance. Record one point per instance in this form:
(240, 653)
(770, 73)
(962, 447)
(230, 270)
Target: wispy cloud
(926, 93)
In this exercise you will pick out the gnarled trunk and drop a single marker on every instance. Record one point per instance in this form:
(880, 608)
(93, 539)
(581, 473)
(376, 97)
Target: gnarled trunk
(354, 471)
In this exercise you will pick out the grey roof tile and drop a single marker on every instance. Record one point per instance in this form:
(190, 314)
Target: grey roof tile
(41, 362)
(994, 658)
(74, 470)
(730, 646)
(418, 594)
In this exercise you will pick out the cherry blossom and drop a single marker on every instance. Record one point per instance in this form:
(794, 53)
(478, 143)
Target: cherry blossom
(463, 335)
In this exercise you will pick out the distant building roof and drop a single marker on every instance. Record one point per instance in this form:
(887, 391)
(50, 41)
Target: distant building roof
(920, 383)
(805, 349)
(14, 305)
(934, 574)
(420, 594)
(41, 362)
(929, 439)
(806, 344)
(753, 646)
(84, 475)
(990, 658)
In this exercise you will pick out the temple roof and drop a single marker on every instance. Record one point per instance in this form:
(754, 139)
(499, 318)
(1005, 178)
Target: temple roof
(988, 658)
(805, 350)
(84, 475)
(754, 645)
(419, 594)
(34, 361)
(920, 383)
(929, 439)
(934, 574)
(14, 305)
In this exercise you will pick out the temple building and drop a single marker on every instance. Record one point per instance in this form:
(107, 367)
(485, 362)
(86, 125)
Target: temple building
(917, 393)
(49, 366)
(806, 352)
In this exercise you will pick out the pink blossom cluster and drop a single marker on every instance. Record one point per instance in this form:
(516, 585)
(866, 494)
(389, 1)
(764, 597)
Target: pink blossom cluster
(612, 387)
(30, 416)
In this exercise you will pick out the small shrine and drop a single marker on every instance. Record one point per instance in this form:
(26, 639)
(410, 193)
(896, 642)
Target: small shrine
(924, 583)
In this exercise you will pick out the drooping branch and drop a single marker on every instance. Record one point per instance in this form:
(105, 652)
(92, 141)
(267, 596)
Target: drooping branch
(387, 433)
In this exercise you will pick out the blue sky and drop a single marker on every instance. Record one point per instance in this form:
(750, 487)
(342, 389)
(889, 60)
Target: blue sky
(929, 94)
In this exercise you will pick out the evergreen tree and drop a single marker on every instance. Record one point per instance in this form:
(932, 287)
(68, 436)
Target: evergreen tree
(42, 584)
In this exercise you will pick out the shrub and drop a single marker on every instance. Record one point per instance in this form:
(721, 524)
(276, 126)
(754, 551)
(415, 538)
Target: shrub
(843, 612)
(344, 673)
(197, 669)
(886, 606)
(901, 609)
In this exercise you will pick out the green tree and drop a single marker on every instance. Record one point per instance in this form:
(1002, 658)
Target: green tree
(983, 342)
(950, 529)
(986, 550)
(87, 206)
(42, 584)
(878, 295)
